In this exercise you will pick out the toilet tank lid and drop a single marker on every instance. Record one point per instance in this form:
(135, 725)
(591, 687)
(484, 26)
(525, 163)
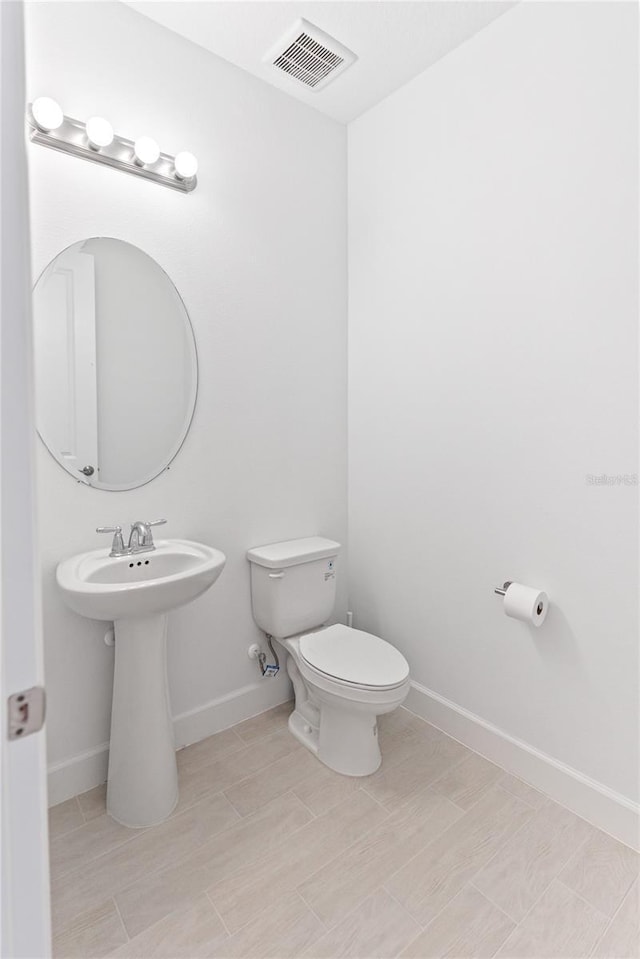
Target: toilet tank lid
(293, 552)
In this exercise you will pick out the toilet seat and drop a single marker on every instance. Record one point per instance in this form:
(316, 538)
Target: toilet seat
(353, 658)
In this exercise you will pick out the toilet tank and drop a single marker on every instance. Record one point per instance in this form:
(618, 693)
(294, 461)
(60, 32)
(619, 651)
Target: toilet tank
(293, 584)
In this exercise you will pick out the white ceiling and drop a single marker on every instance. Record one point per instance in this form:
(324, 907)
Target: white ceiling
(393, 39)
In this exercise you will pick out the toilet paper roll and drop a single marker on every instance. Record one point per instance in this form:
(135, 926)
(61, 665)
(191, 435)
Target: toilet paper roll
(526, 603)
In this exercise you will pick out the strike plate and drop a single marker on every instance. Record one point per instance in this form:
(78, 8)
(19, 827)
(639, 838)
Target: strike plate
(26, 712)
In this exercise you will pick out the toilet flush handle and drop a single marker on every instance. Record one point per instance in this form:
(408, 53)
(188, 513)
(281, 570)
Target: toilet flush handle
(276, 575)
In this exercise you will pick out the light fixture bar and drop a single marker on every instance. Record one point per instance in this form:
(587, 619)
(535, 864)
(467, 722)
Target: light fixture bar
(71, 137)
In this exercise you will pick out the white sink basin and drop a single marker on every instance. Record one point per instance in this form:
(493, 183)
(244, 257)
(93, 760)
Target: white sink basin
(137, 592)
(102, 587)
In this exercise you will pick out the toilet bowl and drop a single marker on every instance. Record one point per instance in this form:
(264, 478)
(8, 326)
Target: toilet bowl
(343, 678)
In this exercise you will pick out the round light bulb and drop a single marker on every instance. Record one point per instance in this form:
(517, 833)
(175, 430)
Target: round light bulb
(186, 166)
(99, 132)
(145, 151)
(47, 114)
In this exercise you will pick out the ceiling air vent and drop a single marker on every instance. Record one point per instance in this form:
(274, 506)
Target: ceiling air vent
(310, 56)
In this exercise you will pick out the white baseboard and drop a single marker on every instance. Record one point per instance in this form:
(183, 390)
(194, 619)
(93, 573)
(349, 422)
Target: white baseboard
(80, 773)
(233, 708)
(608, 810)
(77, 774)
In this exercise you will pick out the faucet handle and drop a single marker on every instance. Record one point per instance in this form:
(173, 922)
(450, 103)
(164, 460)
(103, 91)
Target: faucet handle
(117, 546)
(148, 533)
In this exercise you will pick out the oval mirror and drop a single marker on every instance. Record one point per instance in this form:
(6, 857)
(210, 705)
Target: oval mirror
(115, 364)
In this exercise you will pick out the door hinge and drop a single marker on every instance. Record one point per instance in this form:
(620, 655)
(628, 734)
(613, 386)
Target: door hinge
(26, 712)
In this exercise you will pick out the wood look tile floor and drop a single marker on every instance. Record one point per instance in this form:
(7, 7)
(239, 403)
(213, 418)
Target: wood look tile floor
(270, 854)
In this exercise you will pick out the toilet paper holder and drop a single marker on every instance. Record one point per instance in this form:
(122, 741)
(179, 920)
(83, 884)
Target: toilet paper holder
(526, 603)
(501, 590)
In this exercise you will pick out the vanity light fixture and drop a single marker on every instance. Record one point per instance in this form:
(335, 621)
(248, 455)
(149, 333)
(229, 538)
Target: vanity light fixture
(145, 151)
(95, 140)
(99, 133)
(47, 114)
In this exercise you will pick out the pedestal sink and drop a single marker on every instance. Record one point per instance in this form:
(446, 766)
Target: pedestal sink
(136, 592)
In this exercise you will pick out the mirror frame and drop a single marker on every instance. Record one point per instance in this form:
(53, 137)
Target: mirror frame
(175, 448)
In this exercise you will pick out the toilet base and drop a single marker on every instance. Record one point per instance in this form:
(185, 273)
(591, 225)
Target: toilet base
(346, 743)
(303, 731)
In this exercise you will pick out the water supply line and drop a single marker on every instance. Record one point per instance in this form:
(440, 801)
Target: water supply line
(267, 669)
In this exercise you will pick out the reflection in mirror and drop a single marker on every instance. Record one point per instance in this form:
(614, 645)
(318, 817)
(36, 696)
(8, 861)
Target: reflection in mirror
(115, 364)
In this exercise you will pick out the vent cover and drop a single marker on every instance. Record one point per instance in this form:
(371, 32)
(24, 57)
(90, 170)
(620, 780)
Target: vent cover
(310, 56)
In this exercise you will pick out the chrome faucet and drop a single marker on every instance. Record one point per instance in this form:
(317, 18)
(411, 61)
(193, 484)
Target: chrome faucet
(140, 537)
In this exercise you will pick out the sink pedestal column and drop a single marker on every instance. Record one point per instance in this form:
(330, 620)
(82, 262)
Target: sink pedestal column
(142, 788)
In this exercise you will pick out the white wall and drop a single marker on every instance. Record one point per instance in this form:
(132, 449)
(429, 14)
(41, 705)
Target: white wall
(493, 270)
(258, 253)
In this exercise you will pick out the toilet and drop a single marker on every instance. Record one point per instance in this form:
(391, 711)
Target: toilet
(343, 678)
